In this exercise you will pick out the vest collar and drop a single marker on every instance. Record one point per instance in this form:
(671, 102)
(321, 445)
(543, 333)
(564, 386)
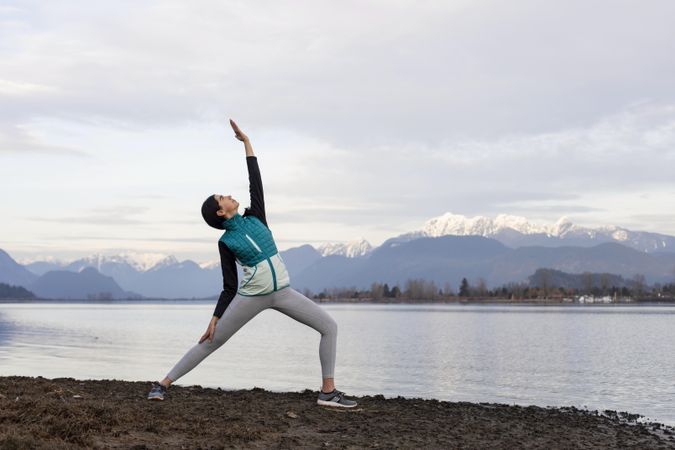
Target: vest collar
(234, 222)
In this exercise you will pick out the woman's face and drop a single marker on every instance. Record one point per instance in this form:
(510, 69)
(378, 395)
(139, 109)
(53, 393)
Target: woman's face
(228, 205)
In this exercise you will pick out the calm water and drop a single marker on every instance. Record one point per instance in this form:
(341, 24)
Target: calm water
(616, 357)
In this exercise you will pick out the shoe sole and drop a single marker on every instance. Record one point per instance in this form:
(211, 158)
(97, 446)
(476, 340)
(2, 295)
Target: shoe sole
(155, 398)
(333, 404)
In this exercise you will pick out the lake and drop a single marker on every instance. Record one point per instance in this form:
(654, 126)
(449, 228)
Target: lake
(599, 357)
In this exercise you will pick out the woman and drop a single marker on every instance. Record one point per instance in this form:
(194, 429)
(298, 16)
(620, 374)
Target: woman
(248, 241)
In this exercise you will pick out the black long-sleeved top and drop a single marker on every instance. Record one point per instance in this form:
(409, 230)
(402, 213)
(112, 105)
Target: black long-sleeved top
(227, 259)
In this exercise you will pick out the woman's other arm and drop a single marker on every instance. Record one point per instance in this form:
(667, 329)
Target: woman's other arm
(230, 279)
(229, 269)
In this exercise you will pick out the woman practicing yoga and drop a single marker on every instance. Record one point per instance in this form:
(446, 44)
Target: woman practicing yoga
(248, 241)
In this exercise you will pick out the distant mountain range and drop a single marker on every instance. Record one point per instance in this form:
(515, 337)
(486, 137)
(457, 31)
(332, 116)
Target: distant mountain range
(516, 231)
(138, 262)
(450, 258)
(446, 249)
(352, 249)
(14, 273)
(88, 283)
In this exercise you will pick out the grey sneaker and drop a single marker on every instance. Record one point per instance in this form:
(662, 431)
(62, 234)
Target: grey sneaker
(335, 398)
(157, 392)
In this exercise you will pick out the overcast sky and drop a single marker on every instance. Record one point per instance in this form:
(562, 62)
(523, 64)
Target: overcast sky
(368, 117)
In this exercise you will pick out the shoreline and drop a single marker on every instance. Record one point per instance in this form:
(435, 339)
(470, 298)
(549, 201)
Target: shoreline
(37, 412)
(347, 301)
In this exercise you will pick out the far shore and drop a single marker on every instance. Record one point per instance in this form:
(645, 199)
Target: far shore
(369, 301)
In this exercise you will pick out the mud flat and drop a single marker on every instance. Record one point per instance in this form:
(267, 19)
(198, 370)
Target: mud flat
(68, 413)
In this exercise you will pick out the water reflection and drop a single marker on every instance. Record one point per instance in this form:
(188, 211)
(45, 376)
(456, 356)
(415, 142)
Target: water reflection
(598, 356)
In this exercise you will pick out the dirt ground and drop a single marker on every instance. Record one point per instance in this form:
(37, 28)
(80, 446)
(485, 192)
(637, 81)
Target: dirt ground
(68, 413)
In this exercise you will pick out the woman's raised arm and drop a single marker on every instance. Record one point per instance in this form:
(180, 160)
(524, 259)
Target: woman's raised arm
(255, 185)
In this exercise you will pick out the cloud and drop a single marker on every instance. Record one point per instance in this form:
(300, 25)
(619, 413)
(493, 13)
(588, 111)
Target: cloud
(369, 118)
(384, 73)
(558, 208)
(17, 88)
(140, 239)
(666, 219)
(107, 216)
(19, 139)
(570, 171)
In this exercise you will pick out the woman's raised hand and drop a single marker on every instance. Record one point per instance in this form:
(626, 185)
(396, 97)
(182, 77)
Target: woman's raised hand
(237, 132)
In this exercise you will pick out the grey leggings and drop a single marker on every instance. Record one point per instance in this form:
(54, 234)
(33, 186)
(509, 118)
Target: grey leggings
(244, 308)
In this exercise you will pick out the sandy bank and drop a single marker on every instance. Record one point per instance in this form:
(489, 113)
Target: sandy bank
(70, 413)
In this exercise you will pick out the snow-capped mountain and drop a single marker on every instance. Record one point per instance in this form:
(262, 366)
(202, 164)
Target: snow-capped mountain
(459, 225)
(208, 265)
(351, 249)
(140, 262)
(517, 231)
(164, 262)
(144, 261)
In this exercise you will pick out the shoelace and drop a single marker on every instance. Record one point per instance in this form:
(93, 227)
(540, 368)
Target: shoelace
(338, 396)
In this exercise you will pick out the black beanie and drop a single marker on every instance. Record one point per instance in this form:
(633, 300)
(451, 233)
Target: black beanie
(209, 210)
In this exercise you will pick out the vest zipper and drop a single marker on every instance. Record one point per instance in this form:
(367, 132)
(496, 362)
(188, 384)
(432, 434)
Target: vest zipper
(253, 242)
(274, 274)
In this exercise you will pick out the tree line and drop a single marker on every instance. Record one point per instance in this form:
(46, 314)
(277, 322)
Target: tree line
(9, 291)
(417, 289)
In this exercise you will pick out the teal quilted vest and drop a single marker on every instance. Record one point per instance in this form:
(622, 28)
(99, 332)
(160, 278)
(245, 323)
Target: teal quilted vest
(249, 239)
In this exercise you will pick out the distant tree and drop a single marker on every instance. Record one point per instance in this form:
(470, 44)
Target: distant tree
(385, 291)
(420, 289)
(376, 290)
(545, 281)
(464, 288)
(669, 289)
(481, 287)
(413, 289)
(639, 284)
(604, 283)
(395, 292)
(587, 282)
(431, 290)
